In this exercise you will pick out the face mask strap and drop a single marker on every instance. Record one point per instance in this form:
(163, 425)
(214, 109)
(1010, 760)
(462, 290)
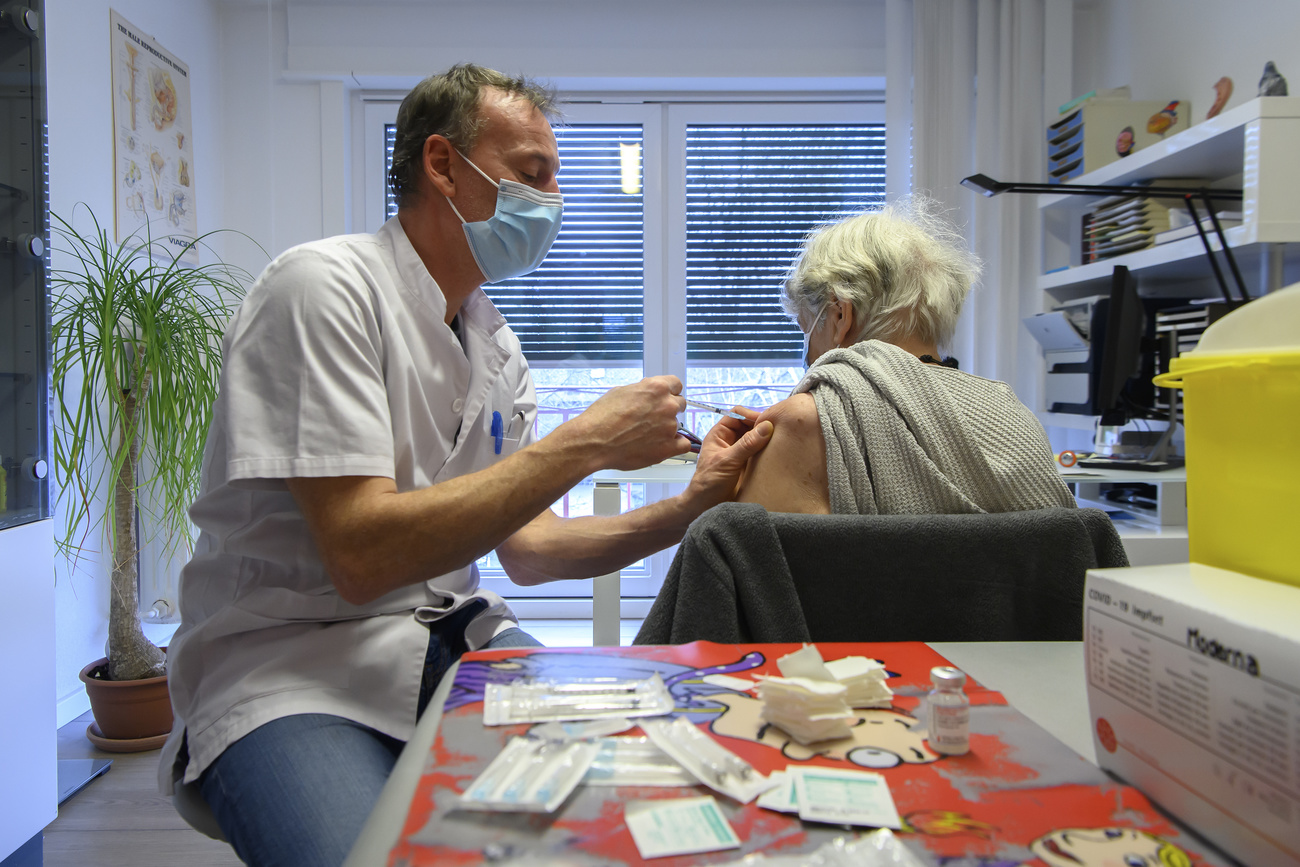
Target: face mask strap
(477, 169)
(456, 210)
(807, 340)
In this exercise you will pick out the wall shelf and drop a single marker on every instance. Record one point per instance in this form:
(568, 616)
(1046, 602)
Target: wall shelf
(1166, 266)
(1252, 146)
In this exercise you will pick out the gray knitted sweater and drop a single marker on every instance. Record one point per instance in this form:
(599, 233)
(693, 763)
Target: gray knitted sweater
(905, 437)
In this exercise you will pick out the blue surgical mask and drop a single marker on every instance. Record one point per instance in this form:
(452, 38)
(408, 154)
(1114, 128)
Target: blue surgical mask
(807, 337)
(515, 239)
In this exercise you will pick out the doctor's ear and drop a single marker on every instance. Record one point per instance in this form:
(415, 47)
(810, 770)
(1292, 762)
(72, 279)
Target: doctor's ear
(436, 162)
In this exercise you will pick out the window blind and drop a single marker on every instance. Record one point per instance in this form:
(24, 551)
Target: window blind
(753, 193)
(583, 306)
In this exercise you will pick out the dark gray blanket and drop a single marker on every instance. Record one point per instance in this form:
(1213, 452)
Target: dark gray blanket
(743, 574)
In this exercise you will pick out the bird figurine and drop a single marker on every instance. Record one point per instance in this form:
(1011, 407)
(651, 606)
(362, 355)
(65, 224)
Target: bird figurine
(1222, 93)
(1271, 83)
(1160, 122)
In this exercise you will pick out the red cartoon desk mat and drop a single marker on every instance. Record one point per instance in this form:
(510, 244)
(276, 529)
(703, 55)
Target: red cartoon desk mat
(1019, 797)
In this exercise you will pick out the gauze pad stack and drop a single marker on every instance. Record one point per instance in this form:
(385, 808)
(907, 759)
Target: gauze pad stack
(865, 680)
(807, 710)
(811, 703)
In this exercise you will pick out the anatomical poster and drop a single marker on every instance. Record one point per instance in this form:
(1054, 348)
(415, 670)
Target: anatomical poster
(153, 154)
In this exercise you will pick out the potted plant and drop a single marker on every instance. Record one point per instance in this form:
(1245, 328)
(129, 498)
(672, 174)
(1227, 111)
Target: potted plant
(135, 338)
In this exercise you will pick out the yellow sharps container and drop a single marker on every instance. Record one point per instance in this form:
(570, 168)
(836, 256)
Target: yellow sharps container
(1241, 401)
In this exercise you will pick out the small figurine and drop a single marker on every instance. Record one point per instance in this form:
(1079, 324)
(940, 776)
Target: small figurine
(1222, 93)
(1272, 83)
(1161, 121)
(1124, 142)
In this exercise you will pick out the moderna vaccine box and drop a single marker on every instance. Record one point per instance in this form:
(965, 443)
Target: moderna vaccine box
(1194, 693)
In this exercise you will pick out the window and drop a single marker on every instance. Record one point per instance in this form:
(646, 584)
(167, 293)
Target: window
(753, 192)
(679, 273)
(752, 195)
(583, 306)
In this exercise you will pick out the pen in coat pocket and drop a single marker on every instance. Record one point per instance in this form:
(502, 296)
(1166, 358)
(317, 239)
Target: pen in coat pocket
(516, 429)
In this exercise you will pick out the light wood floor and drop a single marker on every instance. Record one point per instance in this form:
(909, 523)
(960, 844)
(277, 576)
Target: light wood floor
(121, 820)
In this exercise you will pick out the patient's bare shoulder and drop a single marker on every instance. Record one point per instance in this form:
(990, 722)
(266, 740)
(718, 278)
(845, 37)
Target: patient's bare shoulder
(789, 474)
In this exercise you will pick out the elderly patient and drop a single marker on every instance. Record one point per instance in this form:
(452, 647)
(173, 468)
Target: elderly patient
(879, 425)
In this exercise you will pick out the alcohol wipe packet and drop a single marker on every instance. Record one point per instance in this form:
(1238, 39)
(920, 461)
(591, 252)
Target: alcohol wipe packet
(844, 797)
(781, 797)
(681, 826)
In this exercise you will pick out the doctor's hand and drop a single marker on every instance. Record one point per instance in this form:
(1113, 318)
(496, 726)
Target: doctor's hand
(725, 453)
(633, 426)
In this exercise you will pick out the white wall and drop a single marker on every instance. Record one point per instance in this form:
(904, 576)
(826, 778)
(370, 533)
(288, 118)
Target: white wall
(293, 70)
(1178, 49)
(670, 39)
(81, 170)
(272, 135)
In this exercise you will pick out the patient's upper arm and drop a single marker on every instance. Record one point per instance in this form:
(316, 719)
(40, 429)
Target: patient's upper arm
(789, 474)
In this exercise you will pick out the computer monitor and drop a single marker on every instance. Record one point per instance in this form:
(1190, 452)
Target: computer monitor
(1120, 389)
(1121, 350)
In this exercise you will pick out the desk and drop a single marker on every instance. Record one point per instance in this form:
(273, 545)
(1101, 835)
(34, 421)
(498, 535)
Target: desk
(1048, 677)
(607, 591)
(1156, 533)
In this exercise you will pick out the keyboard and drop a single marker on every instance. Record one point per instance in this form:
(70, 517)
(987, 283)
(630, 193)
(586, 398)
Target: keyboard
(1130, 464)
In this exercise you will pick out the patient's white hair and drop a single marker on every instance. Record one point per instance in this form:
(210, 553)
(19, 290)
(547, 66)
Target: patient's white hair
(905, 269)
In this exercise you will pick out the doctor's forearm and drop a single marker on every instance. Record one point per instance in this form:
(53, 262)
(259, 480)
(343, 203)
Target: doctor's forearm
(552, 548)
(374, 539)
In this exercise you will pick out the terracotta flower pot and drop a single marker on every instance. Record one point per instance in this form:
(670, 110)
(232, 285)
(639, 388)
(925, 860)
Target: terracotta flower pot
(128, 711)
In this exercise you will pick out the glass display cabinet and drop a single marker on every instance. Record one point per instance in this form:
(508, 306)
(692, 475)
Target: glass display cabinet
(24, 313)
(28, 726)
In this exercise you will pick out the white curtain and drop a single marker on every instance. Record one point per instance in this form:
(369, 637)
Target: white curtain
(977, 106)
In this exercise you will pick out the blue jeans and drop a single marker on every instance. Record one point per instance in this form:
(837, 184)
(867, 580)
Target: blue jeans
(298, 790)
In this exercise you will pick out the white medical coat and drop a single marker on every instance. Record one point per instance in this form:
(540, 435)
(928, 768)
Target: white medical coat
(338, 363)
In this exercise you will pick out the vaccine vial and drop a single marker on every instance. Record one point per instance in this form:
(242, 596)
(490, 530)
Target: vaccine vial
(948, 710)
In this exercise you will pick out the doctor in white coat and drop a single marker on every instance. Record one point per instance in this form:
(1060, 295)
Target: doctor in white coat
(373, 437)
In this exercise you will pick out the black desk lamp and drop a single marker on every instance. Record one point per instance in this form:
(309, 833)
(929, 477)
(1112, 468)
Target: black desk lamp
(986, 186)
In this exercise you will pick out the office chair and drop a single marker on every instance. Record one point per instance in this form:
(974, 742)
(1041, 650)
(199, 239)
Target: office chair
(743, 574)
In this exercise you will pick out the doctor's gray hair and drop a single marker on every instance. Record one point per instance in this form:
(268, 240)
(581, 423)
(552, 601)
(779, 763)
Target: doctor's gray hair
(904, 267)
(447, 104)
